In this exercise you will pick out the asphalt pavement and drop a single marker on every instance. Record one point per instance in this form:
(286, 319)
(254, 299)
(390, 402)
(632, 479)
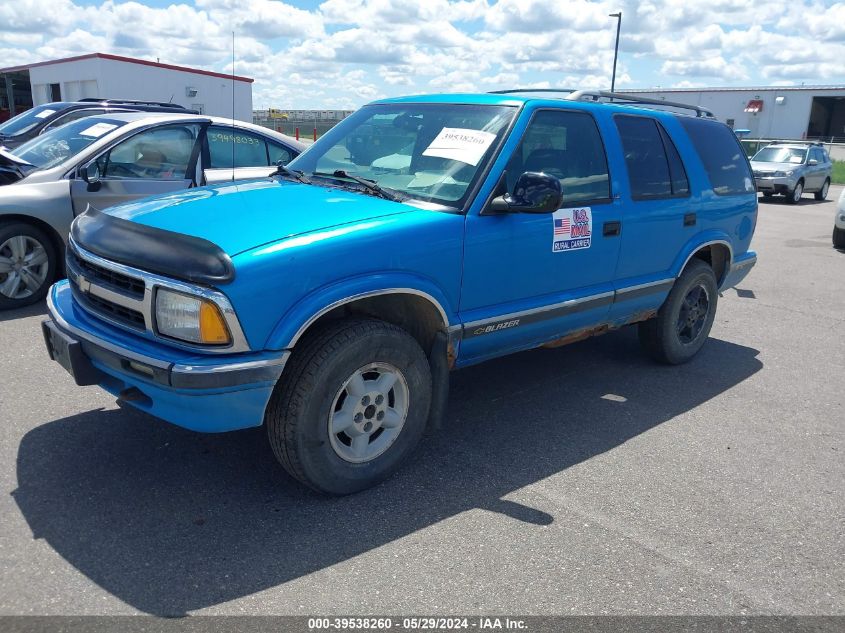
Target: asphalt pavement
(579, 480)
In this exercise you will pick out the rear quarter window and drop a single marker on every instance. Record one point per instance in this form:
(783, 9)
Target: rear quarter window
(721, 154)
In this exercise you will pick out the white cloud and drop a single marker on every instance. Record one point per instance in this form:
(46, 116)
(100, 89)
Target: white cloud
(716, 67)
(350, 51)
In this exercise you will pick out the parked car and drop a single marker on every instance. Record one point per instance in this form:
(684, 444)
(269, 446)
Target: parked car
(106, 159)
(42, 118)
(792, 169)
(329, 302)
(839, 223)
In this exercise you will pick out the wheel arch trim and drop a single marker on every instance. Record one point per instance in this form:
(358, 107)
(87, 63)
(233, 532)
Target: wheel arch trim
(698, 246)
(280, 338)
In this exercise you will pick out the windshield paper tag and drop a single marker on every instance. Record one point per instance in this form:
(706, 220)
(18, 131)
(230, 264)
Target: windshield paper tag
(98, 129)
(44, 114)
(573, 229)
(455, 143)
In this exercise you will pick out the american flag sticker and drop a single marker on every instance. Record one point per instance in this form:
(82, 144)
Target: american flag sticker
(572, 229)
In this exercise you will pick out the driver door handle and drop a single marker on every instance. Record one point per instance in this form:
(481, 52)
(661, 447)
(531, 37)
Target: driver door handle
(612, 228)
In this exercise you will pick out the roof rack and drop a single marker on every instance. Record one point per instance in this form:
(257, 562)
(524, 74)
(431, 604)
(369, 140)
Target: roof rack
(518, 90)
(130, 102)
(802, 142)
(578, 95)
(621, 96)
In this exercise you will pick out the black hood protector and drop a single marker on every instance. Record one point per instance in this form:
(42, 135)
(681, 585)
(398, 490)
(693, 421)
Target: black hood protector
(156, 250)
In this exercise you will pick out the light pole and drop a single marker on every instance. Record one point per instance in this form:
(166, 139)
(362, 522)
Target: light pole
(616, 49)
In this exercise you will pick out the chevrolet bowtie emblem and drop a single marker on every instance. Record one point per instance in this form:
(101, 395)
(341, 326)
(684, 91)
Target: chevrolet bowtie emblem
(84, 284)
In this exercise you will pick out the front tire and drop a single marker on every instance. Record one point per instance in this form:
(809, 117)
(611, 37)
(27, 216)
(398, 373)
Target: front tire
(838, 237)
(684, 321)
(821, 194)
(27, 264)
(794, 196)
(351, 406)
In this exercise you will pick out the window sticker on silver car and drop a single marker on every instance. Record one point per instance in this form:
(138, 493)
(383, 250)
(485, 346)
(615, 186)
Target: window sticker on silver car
(98, 129)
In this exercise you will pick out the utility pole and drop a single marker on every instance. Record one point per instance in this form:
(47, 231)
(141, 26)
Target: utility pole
(616, 49)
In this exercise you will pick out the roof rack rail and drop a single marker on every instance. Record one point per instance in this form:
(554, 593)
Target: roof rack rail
(518, 90)
(801, 142)
(621, 96)
(130, 102)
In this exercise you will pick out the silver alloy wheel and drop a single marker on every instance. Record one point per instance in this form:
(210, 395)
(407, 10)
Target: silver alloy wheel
(23, 267)
(798, 192)
(368, 412)
(825, 188)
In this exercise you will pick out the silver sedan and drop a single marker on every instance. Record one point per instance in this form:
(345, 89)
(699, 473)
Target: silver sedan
(108, 159)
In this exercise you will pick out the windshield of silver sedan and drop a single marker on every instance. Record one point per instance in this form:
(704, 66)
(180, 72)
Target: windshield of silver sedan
(59, 144)
(433, 152)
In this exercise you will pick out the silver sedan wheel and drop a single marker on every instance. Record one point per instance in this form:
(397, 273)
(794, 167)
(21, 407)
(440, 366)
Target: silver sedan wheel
(798, 192)
(23, 267)
(368, 412)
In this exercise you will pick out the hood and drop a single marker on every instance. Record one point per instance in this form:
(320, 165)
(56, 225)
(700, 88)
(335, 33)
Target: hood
(240, 216)
(12, 168)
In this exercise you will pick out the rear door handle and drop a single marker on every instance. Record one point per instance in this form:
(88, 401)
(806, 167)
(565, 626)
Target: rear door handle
(612, 228)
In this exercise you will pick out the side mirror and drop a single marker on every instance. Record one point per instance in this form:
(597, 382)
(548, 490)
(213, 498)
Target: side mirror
(535, 192)
(812, 162)
(91, 174)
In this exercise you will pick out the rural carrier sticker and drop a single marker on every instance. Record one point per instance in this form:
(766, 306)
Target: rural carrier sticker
(573, 229)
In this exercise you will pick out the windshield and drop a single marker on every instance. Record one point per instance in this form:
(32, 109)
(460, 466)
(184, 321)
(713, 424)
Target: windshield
(59, 144)
(431, 152)
(25, 121)
(780, 155)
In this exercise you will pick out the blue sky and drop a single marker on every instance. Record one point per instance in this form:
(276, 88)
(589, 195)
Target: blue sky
(343, 53)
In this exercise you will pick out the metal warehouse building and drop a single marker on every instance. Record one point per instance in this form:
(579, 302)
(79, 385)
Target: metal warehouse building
(791, 112)
(113, 77)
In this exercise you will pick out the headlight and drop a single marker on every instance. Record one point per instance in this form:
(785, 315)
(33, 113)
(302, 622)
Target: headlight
(190, 318)
(783, 174)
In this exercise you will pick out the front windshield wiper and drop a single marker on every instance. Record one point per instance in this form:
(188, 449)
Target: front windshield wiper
(370, 185)
(298, 176)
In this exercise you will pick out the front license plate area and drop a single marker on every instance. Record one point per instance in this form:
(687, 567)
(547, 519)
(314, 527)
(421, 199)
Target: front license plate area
(68, 353)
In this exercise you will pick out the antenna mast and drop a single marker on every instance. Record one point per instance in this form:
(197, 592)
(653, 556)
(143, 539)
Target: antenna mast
(233, 105)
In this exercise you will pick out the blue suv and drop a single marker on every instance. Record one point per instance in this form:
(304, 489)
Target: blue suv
(329, 302)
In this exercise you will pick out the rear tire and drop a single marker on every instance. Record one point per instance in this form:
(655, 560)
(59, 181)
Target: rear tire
(821, 194)
(27, 264)
(838, 237)
(768, 195)
(351, 406)
(684, 321)
(794, 196)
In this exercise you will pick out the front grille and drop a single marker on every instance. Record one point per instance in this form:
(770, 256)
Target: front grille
(129, 317)
(107, 309)
(110, 278)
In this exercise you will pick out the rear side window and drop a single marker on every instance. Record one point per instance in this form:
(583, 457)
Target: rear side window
(819, 155)
(680, 184)
(721, 154)
(235, 148)
(654, 167)
(279, 153)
